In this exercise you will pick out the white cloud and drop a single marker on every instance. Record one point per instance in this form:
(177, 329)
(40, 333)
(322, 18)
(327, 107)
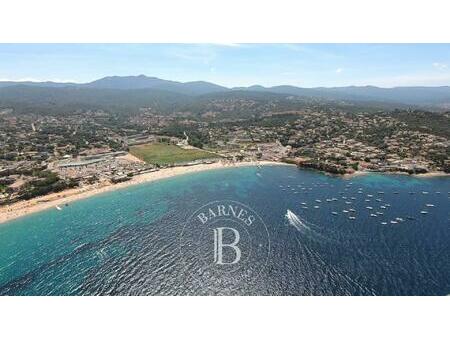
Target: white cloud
(311, 50)
(440, 66)
(204, 54)
(339, 70)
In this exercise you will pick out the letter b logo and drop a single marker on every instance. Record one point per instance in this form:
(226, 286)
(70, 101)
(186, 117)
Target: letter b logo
(219, 245)
(241, 242)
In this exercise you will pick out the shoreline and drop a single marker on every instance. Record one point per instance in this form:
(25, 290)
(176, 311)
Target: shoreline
(363, 173)
(53, 200)
(432, 174)
(425, 175)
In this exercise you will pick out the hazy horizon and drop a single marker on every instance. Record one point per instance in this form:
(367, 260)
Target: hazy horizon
(233, 65)
(37, 81)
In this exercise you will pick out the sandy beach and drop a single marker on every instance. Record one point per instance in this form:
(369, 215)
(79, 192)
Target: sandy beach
(22, 208)
(426, 175)
(433, 174)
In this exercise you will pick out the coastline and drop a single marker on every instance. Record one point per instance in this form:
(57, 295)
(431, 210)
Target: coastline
(425, 175)
(432, 174)
(363, 173)
(24, 208)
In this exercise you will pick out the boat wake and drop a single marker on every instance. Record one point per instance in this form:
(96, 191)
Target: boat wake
(311, 230)
(296, 221)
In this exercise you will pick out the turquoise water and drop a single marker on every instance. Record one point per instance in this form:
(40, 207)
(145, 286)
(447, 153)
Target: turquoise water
(126, 242)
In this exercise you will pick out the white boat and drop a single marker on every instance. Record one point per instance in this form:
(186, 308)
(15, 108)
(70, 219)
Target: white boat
(318, 201)
(373, 215)
(58, 207)
(370, 208)
(344, 211)
(351, 217)
(430, 205)
(424, 212)
(382, 207)
(394, 222)
(384, 223)
(352, 210)
(334, 213)
(303, 203)
(316, 207)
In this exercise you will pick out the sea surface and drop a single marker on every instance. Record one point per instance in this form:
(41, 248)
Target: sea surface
(360, 236)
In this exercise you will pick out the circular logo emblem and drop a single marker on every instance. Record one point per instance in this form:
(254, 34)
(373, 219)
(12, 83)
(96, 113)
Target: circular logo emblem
(224, 242)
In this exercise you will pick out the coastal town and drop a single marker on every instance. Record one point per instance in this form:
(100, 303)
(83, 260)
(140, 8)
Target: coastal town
(42, 154)
(137, 185)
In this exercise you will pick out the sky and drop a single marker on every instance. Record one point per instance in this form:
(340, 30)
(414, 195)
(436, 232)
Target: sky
(304, 65)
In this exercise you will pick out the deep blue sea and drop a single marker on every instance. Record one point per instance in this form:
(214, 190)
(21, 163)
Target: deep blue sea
(368, 235)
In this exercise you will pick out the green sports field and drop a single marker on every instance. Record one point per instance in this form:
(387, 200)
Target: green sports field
(164, 154)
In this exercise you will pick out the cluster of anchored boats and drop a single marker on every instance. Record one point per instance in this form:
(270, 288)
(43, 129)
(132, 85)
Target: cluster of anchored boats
(374, 210)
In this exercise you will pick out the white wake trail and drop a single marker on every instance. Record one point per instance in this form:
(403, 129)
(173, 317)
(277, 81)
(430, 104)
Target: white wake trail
(307, 228)
(296, 221)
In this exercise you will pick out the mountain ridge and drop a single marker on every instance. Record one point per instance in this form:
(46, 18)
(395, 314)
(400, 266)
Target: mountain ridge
(413, 95)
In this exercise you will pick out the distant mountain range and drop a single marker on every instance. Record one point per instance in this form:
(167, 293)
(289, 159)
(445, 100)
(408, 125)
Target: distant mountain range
(132, 82)
(143, 89)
